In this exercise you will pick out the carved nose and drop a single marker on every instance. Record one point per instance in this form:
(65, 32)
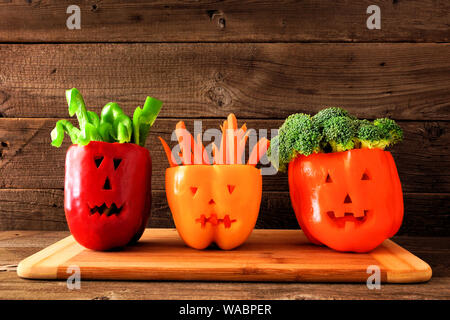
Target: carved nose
(211, 201)
(107, 185)
(347, 199)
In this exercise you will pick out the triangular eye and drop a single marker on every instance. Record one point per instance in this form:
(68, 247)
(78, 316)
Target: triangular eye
(116, 163)
(328, 179)
(194, 190)
(231, 188)
(98, 161)
(365, 176)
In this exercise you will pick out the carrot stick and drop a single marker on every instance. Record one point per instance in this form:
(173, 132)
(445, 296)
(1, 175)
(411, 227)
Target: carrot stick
(169, 154)
(223, 143)
(179, 132)
(242, 144)
(229, 144)
(185, 140)
(241, 132)
(231, 139)
(199, 152)
(235, 151)
(258, 151)
(205, 159)
(221, 154)
(224, 127)
(216, 154)
(232, 121)
(239, 147)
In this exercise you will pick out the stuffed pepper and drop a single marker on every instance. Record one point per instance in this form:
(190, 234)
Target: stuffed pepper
(344, 187)
(107, 187)
(214, 199)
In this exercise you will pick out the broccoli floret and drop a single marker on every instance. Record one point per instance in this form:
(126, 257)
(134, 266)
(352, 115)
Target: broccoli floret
(326, 114)
(360, 123)
(297, 135)
(391, 130)
(273, 153)
(371, 136)
(330, 130)
(340, 133)
(380, 134)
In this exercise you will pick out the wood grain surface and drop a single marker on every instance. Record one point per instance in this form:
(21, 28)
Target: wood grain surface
(403, 81)
(16, 245)
(27, 159)
(262, 60)
(267, 255)
(229, 20)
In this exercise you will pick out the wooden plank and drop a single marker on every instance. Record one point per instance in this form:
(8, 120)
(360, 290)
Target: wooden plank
(32, 210)
(161, 21)
(13, 287)
(28, 160)
(425, 214)
(432, 249)
(268, 255)
(403, 81)
(28, 240)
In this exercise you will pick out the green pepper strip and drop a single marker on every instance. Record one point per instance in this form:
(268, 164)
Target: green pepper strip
(113, 125)
(143, 119)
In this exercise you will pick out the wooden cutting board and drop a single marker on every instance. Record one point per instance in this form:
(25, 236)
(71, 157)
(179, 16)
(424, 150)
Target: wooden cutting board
(268, 255)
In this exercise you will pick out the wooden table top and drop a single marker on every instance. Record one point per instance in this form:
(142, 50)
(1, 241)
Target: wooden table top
(17, 245)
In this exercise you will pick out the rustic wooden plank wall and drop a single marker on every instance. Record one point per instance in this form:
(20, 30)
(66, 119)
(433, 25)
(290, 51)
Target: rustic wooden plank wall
(262, 60)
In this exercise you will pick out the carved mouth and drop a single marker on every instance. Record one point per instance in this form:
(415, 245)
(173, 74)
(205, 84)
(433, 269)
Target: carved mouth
(104, 209)
(348, 219)
(203, 220)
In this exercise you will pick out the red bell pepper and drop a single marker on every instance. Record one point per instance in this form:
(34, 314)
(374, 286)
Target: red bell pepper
(107, 193)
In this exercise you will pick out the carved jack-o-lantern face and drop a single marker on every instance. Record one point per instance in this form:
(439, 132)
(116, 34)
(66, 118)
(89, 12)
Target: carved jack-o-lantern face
(107, 193)
(349, 201)
(214, 203)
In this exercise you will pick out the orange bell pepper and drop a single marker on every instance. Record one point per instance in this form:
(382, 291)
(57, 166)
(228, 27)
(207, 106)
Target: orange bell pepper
(214, 203)
(348, 201)
(214, 200)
